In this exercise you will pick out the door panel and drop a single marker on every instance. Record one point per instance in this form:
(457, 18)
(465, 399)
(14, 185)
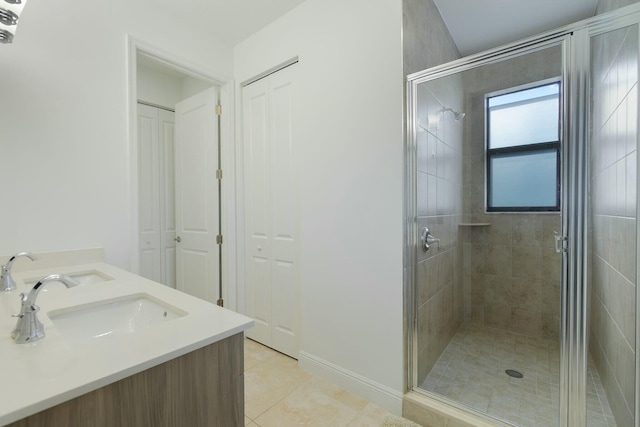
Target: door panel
(156, 221)
(283, 211)
(258, 292)
(196, 195)
(149, 193)
(167, 221)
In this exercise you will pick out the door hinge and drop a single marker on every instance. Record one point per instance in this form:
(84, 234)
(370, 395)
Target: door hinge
(219, 110)
(219, 174)
(219, 239)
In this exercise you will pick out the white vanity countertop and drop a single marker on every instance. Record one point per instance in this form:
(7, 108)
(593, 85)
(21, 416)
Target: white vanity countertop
(53, 370)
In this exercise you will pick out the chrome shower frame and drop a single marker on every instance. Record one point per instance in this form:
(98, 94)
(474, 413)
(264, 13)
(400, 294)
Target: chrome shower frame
(575, 43)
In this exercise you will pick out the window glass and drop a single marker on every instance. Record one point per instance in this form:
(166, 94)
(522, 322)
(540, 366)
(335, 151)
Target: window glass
(524, 179)
(523, 149)
(524, 117)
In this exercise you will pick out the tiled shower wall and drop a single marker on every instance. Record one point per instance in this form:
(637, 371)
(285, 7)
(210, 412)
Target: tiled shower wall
(613, 208)
(439, 202)
(511, 273)
(427, 43)
(426, 40)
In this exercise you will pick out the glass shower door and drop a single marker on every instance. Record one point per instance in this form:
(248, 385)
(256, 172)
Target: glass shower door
(488, 293)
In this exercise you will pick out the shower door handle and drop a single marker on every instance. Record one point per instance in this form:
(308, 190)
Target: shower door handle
(428, 239)
(559, 242)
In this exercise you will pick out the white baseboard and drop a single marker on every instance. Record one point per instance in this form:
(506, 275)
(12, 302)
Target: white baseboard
(364, 387)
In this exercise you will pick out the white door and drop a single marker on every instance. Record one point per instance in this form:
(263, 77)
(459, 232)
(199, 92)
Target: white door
(196, 195)
(155, 191)
(271, 212)
(166, 136)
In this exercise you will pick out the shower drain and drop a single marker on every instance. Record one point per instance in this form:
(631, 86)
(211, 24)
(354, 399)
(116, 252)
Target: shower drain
(514, 374)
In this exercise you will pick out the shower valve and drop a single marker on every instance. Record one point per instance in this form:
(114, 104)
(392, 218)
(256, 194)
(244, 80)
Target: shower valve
(428, 239)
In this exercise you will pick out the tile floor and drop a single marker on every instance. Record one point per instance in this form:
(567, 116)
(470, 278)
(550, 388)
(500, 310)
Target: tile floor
(471, 370)
(278, 393)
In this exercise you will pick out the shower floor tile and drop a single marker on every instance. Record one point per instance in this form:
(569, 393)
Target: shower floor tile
(471, 370)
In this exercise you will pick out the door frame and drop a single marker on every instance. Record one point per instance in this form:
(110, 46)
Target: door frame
(227, 133)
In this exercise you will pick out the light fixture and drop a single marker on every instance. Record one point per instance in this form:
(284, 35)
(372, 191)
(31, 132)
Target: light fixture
(9, 16)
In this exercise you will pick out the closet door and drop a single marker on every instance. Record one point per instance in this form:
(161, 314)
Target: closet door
(156, 222)
(166, 127)
(149, 193)
(271, 212)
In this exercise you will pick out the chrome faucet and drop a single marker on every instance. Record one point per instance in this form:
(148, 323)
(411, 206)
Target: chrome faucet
(6, 281)
(29, 328)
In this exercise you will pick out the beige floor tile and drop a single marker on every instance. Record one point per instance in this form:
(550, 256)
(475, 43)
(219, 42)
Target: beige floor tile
(278, 393)
(249, 361)
(372, 415)
(258, 351)
(348, 399)
(269, 382)
(364, 421)
(308, 406)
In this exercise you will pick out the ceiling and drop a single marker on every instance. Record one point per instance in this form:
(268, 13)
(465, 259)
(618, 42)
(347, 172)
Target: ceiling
(477, 25)
(230, 21)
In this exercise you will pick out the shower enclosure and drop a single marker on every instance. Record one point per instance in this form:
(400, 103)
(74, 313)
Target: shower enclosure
(521, 200)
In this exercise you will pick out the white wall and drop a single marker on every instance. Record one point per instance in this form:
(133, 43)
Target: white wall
(158, 88)
(166, 88)
(349, 133)
(64, 150)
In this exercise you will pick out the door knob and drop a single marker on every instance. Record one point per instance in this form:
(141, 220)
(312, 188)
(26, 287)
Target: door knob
(178, 239)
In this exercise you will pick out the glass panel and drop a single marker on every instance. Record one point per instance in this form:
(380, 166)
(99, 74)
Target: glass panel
(525, 117)
(613, 215)
(487, 297)
(524, 179)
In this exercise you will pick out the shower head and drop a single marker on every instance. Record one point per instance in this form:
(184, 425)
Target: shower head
(456, 115)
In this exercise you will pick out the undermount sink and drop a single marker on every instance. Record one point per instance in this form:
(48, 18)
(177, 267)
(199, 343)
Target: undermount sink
(83, 277)
(117, 316)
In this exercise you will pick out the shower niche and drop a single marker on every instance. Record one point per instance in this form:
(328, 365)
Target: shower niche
(523, 163)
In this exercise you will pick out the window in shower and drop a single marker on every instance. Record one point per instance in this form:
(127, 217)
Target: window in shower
(523, 148)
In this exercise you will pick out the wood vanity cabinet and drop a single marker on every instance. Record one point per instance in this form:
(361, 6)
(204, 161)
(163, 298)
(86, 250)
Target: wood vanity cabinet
(201, 388)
